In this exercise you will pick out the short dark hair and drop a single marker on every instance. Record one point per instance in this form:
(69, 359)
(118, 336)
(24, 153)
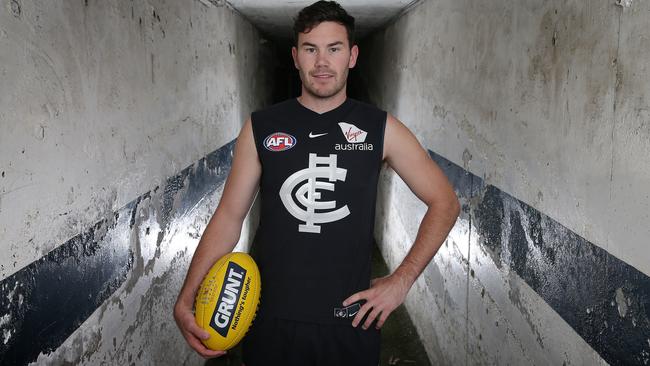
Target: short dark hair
(322, 11)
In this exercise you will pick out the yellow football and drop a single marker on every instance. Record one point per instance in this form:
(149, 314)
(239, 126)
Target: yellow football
(227, 300)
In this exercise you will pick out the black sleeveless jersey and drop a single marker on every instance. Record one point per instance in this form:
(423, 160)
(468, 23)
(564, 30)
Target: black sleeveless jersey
(318, 191)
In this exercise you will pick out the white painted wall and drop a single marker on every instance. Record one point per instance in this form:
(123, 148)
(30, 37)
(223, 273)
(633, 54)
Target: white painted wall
(98, 107)
(546, 100)
(101, 103)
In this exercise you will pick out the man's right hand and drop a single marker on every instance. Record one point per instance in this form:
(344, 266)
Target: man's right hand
(192, 332)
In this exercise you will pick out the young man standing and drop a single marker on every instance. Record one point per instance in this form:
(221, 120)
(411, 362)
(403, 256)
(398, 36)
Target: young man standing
(316, 160)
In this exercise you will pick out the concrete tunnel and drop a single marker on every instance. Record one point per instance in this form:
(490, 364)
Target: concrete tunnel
(117, 126)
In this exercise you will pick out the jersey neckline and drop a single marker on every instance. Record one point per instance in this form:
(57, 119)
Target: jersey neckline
(345, 103)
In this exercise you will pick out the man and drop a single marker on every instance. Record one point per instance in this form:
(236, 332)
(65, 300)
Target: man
(316, 160)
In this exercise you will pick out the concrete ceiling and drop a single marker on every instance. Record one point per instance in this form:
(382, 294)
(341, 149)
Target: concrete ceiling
(275, 18)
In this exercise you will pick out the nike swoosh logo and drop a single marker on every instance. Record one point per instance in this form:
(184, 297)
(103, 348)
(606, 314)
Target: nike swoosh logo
(311, 135)
(352, 314)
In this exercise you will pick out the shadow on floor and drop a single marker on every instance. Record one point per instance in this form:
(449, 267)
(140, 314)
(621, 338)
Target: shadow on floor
(400, 344)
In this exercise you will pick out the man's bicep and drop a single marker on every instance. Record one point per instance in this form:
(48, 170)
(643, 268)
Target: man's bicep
(412, 163)
(243, 180)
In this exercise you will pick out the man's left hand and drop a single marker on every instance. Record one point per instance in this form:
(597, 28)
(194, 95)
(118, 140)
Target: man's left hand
(384, 295)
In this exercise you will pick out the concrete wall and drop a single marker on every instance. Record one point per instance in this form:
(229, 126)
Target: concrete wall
(539, 110)
(109, 111)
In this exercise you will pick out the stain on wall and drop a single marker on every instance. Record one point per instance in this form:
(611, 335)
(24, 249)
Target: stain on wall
(542, 101)
(578, 279)
(104, 102)
(105, 98)
(48, 300)
(589, 289)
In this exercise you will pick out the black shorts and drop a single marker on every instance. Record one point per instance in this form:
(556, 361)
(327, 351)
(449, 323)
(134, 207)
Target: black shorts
(274, 341)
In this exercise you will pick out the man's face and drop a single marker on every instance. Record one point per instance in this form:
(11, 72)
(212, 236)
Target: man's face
(323, 57)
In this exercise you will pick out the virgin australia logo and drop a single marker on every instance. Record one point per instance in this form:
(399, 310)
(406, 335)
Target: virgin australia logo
(352, 133)
(308, 193)
(355, 137)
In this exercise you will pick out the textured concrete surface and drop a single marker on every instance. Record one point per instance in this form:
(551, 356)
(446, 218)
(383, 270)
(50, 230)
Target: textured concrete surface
(103, 100)
(135, 326)
(547, 101)
(629, 215)
(477, 304)
(94, 317)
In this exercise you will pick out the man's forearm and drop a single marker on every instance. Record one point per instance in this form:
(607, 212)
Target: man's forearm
(433, 230)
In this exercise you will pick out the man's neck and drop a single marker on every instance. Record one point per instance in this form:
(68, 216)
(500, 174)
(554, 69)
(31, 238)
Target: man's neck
(321, 105)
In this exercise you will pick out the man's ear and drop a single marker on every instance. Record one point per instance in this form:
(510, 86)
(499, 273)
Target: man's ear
(294, 54)
(354, 53)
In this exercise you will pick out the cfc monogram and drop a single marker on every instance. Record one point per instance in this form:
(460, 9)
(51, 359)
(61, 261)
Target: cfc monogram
(308, 194)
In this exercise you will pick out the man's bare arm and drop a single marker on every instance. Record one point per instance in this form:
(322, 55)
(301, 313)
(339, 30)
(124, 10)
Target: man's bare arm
(426, 180)
(221, 234)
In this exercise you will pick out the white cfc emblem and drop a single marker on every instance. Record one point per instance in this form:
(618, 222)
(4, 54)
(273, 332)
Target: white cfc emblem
(308, 193)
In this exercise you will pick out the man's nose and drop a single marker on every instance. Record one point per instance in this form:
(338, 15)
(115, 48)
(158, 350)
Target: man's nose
(322, 59)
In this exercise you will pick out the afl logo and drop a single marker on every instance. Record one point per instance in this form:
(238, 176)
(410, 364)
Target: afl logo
(279, 141)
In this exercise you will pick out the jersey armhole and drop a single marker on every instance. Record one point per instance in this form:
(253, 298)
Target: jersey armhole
(383, 136)
(259, 157)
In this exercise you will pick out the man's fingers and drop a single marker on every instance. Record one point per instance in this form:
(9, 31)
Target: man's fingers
(355, 297)
(208, 353)
(197, 331)
(187, 322)
(193, 333)
(201, 349)
(373, 314)
(382, 319)
(362, 312)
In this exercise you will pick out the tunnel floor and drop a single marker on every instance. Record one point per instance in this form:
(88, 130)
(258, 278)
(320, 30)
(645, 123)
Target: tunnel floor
(400, 344)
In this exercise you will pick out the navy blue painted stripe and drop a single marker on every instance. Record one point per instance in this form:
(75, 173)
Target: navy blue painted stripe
(605, 300)
(45, 302)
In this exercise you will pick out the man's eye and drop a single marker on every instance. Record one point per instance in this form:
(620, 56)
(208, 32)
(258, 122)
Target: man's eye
(334, 49)
(309, 50)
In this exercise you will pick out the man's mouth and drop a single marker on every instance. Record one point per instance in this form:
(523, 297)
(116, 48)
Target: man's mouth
(323, 76)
